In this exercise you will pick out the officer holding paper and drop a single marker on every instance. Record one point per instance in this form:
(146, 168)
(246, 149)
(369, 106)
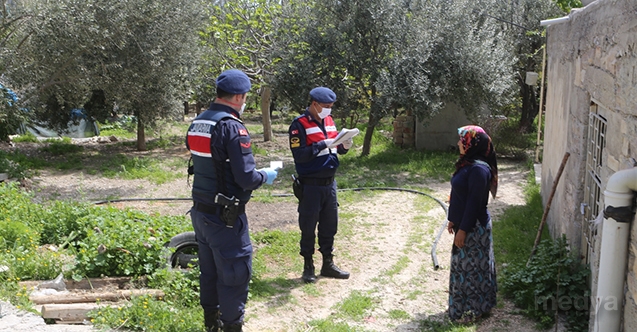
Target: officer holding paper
(312, 136)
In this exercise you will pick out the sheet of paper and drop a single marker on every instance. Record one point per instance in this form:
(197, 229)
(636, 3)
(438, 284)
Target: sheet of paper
(344, 135)
(276, 164)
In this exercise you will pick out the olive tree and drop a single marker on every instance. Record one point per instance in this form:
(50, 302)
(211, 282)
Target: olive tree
(240, 35)
(95, 53)
(386, 55)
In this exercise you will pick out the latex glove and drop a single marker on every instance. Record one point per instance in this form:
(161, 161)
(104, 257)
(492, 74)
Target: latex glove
(328, 143)
(348, 144)
(271, 174)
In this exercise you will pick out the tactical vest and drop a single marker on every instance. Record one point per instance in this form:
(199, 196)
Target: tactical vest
(326, 158)
(206, 167)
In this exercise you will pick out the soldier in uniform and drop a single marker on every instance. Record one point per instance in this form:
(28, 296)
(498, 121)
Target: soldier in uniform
(224, 177)
(315, 158)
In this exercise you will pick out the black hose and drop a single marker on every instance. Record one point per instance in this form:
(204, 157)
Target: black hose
(433, 247)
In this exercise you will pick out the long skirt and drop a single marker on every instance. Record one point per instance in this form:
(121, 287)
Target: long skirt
(472, 283)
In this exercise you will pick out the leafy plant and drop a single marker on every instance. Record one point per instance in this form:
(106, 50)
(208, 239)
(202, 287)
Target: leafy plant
(554, 281)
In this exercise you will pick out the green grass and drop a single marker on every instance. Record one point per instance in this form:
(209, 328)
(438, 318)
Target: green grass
(355, 306)
(515, 231)
(120, 166)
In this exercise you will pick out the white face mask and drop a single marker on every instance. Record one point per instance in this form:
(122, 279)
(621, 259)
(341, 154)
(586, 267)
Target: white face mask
(324, 112)
(243, 107)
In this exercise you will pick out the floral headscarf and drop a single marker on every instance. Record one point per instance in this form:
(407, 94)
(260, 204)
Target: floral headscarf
(478, 146)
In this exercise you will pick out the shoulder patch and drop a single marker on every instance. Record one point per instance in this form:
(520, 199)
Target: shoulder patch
(246, 145)
(243, 132)
(294, 132)
(295, 142)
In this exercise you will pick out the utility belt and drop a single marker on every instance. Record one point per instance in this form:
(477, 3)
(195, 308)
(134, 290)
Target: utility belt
(316, 181)
(227, 208)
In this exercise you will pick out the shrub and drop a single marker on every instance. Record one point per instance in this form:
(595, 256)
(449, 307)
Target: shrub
(554, 280)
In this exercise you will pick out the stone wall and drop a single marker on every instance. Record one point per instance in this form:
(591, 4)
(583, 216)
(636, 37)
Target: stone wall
(404, 131)
(441, 132)
(592, 58)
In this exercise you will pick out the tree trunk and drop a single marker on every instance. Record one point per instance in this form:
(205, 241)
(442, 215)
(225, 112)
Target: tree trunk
(529, 107)
(265, 114)
(141, 135)
(369, 133)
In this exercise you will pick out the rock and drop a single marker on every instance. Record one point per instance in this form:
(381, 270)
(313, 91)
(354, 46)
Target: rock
(57, 284)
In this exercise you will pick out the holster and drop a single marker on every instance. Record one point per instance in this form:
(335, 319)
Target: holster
(231, 209)
(297, 188)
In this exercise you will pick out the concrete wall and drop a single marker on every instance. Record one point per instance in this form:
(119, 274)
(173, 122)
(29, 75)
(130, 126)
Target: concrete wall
(591, 58)
(441, 132)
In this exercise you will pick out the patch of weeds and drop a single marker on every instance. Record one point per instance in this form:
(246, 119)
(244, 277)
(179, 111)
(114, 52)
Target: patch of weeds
(164, 142)
(414, 294)
(554, 280)
(444, 326)
(400, 265)
(11, 291)
(355, 306)
(137, 168)
(15, 164)
(145, 313)
(398, 314)
(258, 151)
(60, 148)
(276, 255)
(327, 325)
(25, 138)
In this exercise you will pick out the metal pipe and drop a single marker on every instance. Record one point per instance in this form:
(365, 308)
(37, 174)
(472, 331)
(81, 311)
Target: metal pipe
(555, 20)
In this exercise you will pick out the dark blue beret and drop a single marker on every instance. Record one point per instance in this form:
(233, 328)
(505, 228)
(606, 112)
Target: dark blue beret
(234, 81)
(323, 95)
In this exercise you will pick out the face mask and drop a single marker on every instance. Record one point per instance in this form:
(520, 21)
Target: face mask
(242, 108)
(324, 112)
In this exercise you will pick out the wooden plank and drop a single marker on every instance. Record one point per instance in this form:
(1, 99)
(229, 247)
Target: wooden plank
(91, 283)
(112, 296)
(70, 313)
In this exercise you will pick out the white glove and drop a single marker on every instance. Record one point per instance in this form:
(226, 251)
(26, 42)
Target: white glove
(328, 143)
(348, 144)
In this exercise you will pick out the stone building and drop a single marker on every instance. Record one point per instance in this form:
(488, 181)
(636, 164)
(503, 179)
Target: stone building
(591, 113)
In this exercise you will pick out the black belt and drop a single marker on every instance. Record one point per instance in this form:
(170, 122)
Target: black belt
(317, 181)
(215, 208)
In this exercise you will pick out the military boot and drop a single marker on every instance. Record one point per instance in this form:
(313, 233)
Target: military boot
(211, 320)
(331, 270)
(308, 270)
(233, 328)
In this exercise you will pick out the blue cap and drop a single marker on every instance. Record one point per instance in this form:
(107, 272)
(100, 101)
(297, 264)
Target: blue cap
(234, 81)
(323, 95)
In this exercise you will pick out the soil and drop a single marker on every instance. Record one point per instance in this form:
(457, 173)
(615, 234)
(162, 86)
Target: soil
(382, 233)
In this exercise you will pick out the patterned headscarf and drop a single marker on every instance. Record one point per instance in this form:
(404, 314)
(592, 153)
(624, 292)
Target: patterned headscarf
(478, 146)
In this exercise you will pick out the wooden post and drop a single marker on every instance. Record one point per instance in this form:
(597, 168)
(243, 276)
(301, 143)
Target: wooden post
(548, 206)
(265, 114)
(539, 119)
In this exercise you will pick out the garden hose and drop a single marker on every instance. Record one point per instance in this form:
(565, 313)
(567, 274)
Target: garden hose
(433, 247)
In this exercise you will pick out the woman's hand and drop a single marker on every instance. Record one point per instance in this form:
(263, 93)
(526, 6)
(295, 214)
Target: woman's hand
(459, 239)
(450, 227)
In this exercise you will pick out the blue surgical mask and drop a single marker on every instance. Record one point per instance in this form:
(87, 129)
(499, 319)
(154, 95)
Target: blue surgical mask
(243, 107)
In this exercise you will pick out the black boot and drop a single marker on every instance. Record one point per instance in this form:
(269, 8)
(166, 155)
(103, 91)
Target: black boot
(233, 328)
(211, 320)
(331, 270)
(308, 270)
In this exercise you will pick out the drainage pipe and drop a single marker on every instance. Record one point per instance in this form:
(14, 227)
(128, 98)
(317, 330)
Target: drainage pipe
(618, 215)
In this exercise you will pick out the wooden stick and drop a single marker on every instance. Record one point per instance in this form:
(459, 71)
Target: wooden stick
(94, 296)
(548, 206)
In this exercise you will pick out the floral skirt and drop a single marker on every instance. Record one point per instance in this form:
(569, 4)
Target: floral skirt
(472, 283)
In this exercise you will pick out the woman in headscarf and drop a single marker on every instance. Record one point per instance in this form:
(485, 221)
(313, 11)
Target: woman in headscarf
(472, 282)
